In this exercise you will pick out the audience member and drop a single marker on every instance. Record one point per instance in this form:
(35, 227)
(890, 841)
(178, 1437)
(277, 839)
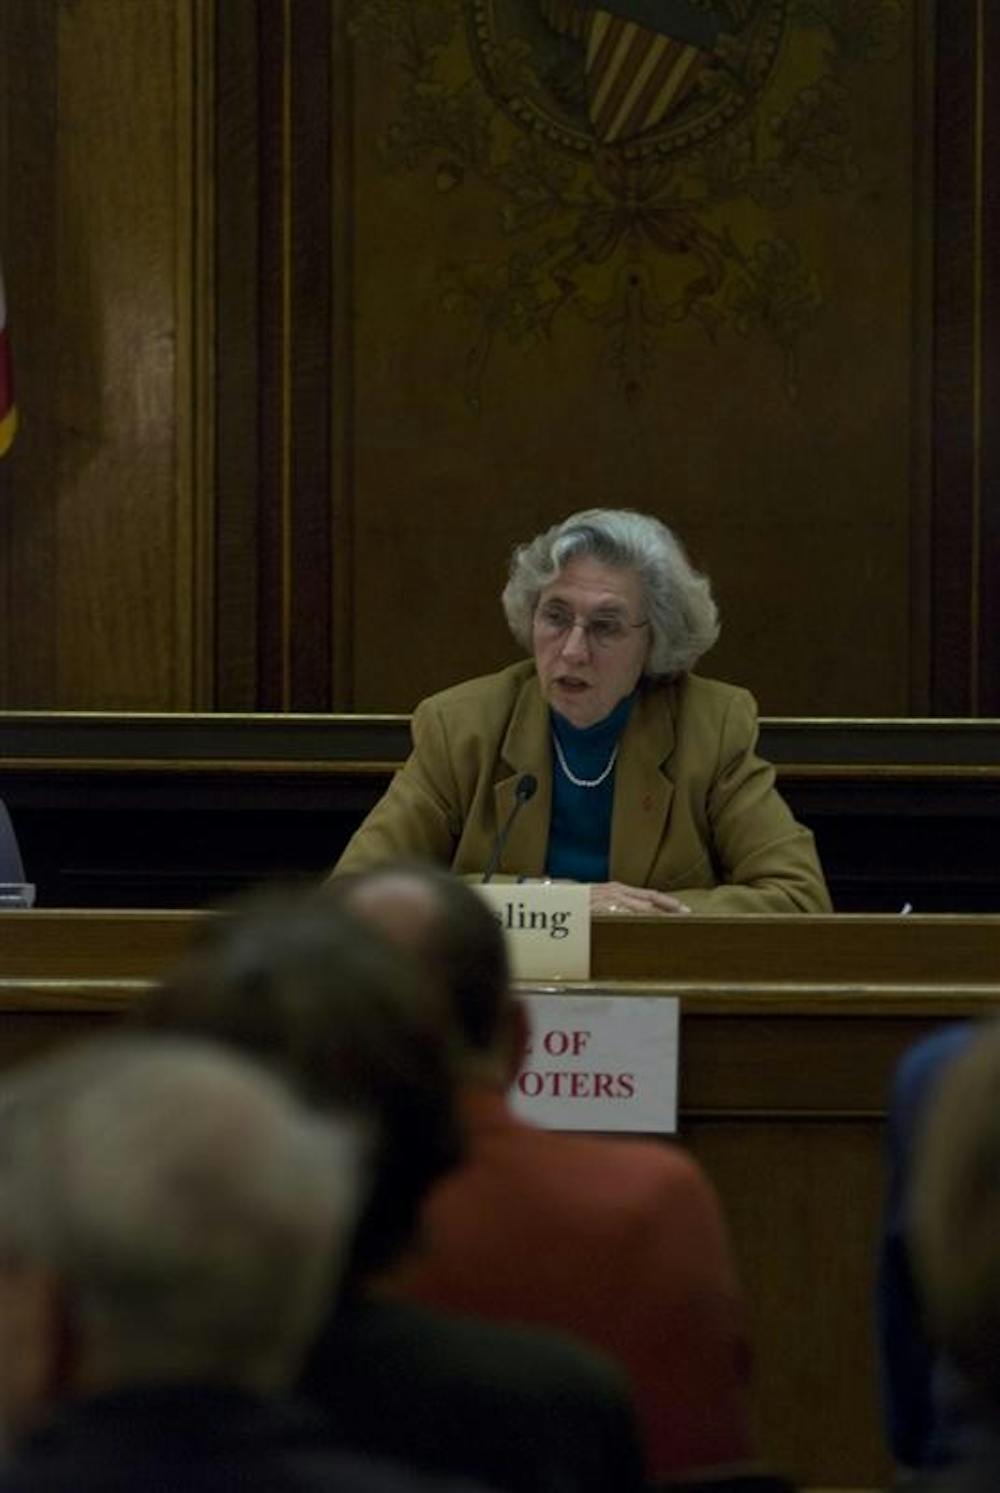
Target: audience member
(956, 1245)
(171, 1224)
(351, 1021)
(619, 1242)
(926, 1420)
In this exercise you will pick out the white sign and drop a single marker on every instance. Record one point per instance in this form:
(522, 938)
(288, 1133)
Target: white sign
(547, 927)
(600, 1062)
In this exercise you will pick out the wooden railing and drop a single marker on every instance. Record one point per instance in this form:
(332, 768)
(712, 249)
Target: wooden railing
(177, 810)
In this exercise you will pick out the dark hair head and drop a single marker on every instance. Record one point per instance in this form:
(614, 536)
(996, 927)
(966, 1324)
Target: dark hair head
(458, 940)
(311, 992)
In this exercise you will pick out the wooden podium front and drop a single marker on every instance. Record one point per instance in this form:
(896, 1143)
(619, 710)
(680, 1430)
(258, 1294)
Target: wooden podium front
(790, 1031)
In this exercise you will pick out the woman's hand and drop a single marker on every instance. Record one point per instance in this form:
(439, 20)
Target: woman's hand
(615, 897)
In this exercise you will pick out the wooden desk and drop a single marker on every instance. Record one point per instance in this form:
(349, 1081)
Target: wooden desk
(790, 1031)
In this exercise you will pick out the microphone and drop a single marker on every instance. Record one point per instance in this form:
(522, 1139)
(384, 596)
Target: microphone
(525, 789)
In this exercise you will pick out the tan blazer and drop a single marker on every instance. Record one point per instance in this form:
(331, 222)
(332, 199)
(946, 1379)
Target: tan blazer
(695, 810)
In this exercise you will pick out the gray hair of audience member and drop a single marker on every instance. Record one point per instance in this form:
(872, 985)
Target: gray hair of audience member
(460, 942)
(955, 1216)
(683, 618)
(193, 1213)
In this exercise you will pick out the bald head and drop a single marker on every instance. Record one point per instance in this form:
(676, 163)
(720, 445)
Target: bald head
(444, 924)
(401, 905)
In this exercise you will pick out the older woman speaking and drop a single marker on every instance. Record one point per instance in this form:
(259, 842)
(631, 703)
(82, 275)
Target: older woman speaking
(632, 773)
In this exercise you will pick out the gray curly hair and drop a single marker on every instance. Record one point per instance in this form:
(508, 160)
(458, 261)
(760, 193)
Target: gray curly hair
(683, 618)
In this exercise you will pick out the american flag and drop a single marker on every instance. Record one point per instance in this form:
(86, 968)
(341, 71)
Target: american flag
(8, 412)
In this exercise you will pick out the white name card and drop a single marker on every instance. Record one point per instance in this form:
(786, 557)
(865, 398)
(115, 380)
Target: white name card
(547, 928)
(600, 1062)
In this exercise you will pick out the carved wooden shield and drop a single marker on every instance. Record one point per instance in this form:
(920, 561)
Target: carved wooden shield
(652, 77)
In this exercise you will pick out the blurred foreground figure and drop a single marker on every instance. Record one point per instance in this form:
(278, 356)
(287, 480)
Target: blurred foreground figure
(349, 1020)
(956, 1243)
(927, 1421)
(172, 1223)
(619, 1242)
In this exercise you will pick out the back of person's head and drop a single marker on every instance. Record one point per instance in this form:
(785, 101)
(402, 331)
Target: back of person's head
(348, 1020)
(451, 930)
(956, 1214)
(190, 1215)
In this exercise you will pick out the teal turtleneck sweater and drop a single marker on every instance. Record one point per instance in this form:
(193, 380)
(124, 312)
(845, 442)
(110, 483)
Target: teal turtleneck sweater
(580, 830)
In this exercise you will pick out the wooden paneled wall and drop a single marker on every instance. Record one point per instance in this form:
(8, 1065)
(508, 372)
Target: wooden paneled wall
(319, 306)
(101, 508)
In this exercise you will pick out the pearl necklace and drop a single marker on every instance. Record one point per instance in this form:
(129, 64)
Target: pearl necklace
(583, 782)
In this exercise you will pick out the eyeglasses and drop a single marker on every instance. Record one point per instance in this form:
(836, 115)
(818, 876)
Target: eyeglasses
(606, 630)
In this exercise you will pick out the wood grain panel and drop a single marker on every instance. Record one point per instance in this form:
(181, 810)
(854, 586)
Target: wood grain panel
(304, 347)
(237, 355)
(988, 701)
(540, 329)
(294, 555)
(840, 951)
(965, 594)
(954, 576)
(100, 567)
(310, 251)
(115, 389)
(343, 483)
(450, 439)
(30, 472)
(274, 414)
(804, 1235)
